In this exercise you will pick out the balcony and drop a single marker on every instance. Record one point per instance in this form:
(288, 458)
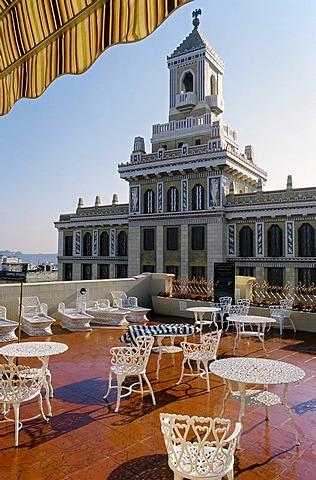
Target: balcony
(216, 103)
(186, 101)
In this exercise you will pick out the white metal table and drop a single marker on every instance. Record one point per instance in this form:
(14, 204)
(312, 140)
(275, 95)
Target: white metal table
(257, 371)
(242, 321)
(41, 350)
(199, 313)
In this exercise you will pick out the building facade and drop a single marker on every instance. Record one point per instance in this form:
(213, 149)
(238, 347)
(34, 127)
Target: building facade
(196, 199)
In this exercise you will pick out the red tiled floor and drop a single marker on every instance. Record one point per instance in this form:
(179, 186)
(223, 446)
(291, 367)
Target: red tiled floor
(86, 440)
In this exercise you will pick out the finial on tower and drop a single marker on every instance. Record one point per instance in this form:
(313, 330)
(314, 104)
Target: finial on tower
(195, 14)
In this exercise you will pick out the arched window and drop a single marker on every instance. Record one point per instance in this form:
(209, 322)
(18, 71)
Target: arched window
(149, 201)
(104, 244)
(87, 244)
(246, 242)
(188, 82)
(306, 241)
(172, 199)
(122, 244)
(275, 241)
(198, 197)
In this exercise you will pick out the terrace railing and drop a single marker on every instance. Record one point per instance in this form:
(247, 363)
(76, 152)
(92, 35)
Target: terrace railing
(261, 295)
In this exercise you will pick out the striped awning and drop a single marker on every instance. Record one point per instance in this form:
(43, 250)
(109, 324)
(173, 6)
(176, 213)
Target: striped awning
(43, 39)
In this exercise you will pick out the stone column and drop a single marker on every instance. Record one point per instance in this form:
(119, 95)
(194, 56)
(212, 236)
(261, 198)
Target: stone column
(184, 245)
(159, 249)
(216, 245)
(134, 245)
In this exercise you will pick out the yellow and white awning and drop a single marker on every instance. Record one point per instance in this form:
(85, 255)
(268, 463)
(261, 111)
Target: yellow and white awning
(43, 39)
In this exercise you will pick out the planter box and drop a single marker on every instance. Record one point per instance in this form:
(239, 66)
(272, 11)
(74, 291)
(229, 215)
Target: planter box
(176, 307)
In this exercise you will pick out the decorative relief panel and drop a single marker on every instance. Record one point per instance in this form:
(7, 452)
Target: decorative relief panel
(112, 242)
(95, 246)
(160, 197)
(289, 239)
(232, 239)
(259, 239)
(184, 196)
(77, 237)
(134, 204)
(214, 192)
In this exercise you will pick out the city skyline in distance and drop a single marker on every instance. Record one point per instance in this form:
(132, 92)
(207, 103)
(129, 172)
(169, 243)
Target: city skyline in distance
(67, 144)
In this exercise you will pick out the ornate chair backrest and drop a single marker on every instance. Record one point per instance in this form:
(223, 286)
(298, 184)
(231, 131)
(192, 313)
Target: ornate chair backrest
(136, 356)
(286, 304)
(225, 304)
(210, 342)
(238, 310)
(19, 383)
(201, 446)
(245, 304)
(31, 306)
(3, 312)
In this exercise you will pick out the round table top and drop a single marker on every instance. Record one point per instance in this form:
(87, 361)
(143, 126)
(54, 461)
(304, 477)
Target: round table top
(203, 309)
(256, 370)
(33, 349)
(250, 319)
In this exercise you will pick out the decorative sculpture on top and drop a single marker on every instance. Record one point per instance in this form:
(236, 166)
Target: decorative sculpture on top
(195, 14)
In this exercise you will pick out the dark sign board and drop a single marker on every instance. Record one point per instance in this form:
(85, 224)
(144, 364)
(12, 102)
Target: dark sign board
(224, 281)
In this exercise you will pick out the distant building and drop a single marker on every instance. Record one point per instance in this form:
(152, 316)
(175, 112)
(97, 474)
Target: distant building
(195, 199)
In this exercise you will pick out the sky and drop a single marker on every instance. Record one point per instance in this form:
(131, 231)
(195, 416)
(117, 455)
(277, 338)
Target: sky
(68, 143)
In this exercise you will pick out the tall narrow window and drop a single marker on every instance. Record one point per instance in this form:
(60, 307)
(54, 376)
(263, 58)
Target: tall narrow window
(246, 242)
(67, 272)
(307, 276)
(188, 82)
(149, 239)
(104, 244)
(68, 243)
(306, 241)
(86, 271)
(198, 272)
(197, 238)
(275, 276)
(122, 244)
(149, 201)
(121, 271)
(87, 244)
(103, 271)
(198, 197)
(275, 241)
(174, 269)
(172, 238)
(172, 199)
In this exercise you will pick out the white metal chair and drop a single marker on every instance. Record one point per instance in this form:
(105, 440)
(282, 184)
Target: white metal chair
(199, 447)
(203, 352)
(35, 321)
(241, 308)
(19, 384)
(7, 327)
(127, 362)
(137, 313)
(281, 312)
(224, 304)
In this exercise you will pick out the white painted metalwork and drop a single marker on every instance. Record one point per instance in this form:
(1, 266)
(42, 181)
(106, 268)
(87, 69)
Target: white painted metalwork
(199, 447)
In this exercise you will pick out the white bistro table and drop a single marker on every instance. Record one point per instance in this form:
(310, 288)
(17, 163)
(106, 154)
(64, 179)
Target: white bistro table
(242, 321)
(40, 350)
(199, 313)
(257, 371)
